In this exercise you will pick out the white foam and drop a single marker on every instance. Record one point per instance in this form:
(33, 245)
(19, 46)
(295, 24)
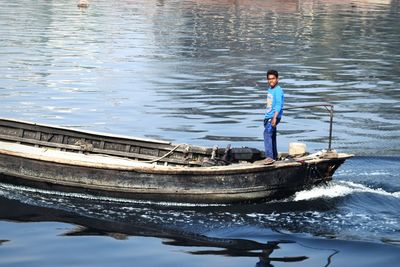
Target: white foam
(340, 189)
(13, 188)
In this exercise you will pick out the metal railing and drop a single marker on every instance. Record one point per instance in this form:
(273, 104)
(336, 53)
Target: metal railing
(328, 107)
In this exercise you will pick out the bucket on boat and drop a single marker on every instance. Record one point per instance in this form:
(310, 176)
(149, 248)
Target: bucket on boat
(297, 149)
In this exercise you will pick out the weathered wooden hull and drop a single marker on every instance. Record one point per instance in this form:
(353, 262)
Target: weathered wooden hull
(203, 186)
(48, 157)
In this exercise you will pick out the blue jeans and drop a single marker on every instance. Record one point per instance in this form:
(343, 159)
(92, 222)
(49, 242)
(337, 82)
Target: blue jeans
(270, 139)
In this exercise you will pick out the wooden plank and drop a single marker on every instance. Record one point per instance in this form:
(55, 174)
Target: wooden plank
(50, 137)
(37, 142)
(127, 148)
(121, 146)
(77, 133)
(155, 144)
(38, 135)
(96, 150)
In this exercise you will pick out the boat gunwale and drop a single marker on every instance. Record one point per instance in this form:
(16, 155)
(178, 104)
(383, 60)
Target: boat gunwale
(95, 133)
(89, 138)
(106, 137)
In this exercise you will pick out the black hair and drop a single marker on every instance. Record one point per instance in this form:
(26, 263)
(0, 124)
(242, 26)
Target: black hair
(273, 72)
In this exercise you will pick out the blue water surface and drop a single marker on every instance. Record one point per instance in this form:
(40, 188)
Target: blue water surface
(193, 71)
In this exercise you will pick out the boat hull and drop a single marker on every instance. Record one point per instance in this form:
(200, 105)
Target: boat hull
(192, 185)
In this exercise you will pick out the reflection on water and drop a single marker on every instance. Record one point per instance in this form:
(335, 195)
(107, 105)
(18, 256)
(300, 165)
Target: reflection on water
(193, 71)
(91, 225)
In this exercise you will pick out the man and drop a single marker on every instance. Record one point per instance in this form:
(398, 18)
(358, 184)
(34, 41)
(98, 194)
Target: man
(273, 114)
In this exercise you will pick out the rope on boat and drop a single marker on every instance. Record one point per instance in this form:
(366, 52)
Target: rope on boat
(85, 148)
(166, 155)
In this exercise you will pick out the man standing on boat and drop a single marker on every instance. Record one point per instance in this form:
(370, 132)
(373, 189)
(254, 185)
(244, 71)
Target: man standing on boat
(273, 114)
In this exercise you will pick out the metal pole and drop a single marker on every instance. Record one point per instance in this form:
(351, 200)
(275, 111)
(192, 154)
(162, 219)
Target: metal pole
(329, 108)
(330, 128)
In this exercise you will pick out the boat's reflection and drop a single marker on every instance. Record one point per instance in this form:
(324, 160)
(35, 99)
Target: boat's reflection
(218, 246)
(199, 244)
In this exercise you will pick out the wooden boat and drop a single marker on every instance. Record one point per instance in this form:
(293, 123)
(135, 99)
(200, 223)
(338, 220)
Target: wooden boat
(60, 158)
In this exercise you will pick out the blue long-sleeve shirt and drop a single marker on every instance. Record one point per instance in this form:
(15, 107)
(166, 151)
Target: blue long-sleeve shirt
(275, 101)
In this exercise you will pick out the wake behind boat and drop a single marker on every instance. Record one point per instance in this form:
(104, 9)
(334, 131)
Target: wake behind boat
(60, 158)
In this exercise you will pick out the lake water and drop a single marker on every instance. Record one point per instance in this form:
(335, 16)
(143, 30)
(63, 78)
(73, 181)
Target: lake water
(194, 72)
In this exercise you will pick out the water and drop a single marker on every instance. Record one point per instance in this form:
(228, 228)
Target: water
(354, 219)
(193, 72)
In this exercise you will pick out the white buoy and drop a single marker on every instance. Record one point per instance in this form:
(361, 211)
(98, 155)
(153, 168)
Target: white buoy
(83, 3)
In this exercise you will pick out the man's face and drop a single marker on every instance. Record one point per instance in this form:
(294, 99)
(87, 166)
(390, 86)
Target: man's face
(272, 80)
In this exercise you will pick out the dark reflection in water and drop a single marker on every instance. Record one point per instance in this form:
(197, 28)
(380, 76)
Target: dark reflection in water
(121, 230)
(193, 71)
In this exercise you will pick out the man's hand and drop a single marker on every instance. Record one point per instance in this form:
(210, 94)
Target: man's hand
(274, 119)
(273, 122)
